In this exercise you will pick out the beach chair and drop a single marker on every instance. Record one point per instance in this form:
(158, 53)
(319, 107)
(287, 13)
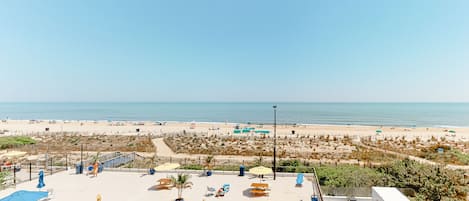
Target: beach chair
(226, 188)
(210, 191)
(50, 195)
(299, 180)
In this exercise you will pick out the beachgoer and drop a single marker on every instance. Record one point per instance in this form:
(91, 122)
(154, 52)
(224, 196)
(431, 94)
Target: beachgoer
(220, 193)
(95, 168)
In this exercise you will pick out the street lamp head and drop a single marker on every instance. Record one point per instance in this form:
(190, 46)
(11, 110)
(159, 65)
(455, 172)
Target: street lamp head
(275, 106)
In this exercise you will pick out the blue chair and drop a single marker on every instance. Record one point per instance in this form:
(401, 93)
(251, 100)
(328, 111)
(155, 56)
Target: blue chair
(314, 198)
(226, 187)
(299, 179)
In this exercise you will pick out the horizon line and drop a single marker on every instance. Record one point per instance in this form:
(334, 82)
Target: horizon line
(270, 102)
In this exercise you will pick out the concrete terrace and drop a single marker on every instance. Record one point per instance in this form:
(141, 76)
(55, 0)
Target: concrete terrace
(132, 186)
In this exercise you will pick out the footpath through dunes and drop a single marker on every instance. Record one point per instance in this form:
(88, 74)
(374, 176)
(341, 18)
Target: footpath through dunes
(163, 150)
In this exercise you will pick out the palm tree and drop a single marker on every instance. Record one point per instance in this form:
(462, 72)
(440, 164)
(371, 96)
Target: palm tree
(96, 157)
(181, 182)
(208, 163)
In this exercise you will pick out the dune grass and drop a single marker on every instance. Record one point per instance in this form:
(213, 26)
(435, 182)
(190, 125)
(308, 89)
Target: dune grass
(14, 141)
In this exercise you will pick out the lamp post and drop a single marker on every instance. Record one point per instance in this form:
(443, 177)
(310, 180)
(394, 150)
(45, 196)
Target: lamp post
(81, 160)
(275, 140)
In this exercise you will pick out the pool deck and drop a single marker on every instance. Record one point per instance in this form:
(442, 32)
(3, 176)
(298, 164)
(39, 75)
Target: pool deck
(127, 186)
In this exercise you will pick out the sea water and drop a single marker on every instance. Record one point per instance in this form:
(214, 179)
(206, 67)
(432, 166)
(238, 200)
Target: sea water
(387, 114)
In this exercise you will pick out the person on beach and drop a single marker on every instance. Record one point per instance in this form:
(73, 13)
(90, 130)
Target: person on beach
(220, 193)
(95, 168)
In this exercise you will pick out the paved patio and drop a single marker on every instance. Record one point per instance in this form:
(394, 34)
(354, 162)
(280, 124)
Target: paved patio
(125, 186)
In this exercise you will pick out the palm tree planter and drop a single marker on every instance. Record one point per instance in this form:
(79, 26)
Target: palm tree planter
(181, 182)
(208, 165)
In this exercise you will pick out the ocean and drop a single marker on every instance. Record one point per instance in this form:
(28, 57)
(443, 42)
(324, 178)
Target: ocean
(386, 114)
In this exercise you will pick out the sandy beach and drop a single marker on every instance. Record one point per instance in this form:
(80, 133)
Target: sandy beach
(24, 127)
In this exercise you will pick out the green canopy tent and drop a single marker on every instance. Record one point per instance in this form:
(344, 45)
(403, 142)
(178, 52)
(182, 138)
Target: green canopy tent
(262, 131)
(378, 131)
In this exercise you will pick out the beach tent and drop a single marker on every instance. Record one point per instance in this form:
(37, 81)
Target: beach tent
(25, 195)
(237, 131)
(452, 131)
(262, 131)
(378, 131)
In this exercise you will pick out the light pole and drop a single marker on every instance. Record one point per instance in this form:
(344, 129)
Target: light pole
(81, 160)
(275, 140)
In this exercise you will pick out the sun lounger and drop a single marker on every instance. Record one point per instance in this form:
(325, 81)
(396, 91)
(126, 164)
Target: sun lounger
(210, 191)
(226, 188)
(50, 195)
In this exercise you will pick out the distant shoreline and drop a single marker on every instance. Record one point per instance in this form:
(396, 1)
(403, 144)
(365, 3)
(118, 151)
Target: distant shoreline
(233, 123)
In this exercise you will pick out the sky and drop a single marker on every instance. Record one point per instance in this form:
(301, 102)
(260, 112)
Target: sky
(240, 50)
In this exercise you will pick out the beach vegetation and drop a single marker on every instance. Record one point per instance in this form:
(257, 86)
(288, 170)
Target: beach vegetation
(3, 178)
(208, 162)
(95, 158)
(67, 142)
(181, 181)
(15, 141)
(419, 181)
(192, 167)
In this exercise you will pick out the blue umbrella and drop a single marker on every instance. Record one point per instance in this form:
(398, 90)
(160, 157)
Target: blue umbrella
(25, 196)
(299, 179)
(41, 180)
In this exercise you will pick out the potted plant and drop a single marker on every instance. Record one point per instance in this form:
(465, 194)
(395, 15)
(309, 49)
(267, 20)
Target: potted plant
(181, 182)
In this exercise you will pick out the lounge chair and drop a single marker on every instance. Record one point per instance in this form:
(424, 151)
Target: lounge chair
(226, 188)
(210, 191)
(50, 195)
(299, 180)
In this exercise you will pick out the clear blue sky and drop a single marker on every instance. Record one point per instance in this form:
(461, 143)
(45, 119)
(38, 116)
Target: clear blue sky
(242, 50)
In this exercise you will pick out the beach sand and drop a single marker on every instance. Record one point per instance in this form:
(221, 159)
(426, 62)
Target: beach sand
(24, 127)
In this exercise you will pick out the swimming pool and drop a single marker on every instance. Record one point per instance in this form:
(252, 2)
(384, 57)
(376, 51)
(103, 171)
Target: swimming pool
(25, 196)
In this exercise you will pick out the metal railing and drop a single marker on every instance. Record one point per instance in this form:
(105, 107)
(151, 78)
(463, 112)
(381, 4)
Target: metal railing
(316, 186)
(119, 160)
